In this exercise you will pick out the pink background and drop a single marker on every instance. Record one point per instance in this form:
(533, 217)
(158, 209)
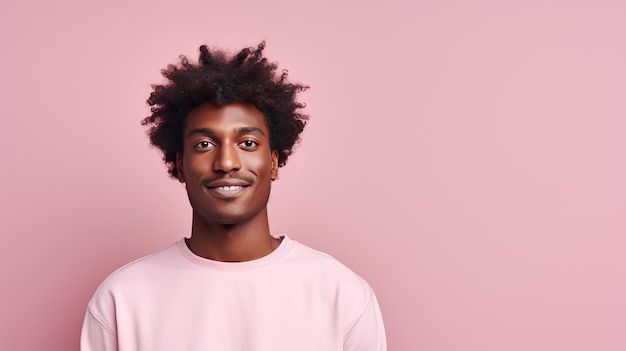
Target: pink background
(467, 158)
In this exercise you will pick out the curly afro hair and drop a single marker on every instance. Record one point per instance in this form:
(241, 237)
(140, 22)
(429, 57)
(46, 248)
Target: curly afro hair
(222, 79)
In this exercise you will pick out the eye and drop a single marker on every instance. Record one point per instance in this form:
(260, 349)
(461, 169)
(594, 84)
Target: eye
(249, 144)
(203, 145)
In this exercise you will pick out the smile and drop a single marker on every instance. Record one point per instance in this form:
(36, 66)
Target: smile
(227, 192)
(229, 187)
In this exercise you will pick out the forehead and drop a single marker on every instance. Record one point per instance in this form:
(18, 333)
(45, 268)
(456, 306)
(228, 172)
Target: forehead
(225, 118)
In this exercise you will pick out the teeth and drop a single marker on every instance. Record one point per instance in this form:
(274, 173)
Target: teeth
(229, 188)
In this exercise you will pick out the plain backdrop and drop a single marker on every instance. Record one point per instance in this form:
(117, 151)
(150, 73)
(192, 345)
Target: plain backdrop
(467, 158)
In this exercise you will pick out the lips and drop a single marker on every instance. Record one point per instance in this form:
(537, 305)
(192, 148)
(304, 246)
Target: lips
(227, 192)
(227, 188)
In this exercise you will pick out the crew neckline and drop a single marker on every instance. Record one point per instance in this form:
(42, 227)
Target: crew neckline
(279, 252)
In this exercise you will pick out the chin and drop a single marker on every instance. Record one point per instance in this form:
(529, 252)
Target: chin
(229, 214)
(231, 218)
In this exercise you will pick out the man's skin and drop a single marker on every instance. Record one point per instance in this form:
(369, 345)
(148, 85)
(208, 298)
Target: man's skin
(228, 146)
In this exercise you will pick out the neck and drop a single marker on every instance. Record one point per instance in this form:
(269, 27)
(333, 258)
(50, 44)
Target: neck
(232, 242)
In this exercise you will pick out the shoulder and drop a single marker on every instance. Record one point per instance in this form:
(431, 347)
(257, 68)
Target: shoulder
(325, 269)
(137, 271)
(126, 284)
(305, 256)
(325, 274)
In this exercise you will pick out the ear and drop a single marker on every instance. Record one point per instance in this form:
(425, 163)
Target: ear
(179, 167)
(274, 174)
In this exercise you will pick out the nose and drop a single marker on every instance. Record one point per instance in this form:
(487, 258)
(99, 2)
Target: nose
(226, 159)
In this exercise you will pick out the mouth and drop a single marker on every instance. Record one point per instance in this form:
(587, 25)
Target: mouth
(227, 191)
(228, 187)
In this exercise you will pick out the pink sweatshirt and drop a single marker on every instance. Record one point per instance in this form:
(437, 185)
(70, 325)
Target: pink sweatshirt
(294, 299)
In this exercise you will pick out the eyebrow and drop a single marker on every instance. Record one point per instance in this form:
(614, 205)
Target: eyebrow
(205, 131)
(240, 130)
(248, 130)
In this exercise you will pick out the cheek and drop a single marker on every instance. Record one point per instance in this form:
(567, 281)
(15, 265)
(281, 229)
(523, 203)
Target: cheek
(260, 165)
(196, 165)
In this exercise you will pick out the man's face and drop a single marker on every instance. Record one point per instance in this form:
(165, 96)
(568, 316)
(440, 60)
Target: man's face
(227, 165)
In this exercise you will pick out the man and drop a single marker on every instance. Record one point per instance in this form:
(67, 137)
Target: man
(225, 125)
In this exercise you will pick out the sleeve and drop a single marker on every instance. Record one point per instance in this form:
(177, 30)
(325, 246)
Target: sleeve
(95, 336)
(368, 332)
